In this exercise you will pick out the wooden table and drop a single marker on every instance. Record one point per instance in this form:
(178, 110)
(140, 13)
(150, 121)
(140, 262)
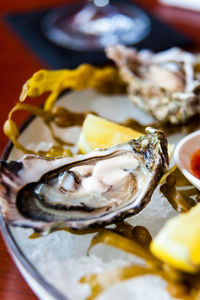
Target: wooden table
(17, 63)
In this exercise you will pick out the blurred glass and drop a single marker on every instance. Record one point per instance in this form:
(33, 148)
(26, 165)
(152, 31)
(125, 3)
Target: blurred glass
(96, 24)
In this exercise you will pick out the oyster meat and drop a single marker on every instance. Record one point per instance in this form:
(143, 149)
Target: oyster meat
(85, 190)
(166, 84)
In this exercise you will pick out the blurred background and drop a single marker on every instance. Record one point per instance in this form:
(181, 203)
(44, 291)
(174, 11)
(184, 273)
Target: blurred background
(57, 34)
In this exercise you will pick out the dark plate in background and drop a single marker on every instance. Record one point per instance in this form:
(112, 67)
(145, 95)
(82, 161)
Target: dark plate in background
(28, 27)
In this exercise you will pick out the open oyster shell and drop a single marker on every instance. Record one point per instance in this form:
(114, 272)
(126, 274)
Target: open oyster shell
(85, 190)
(166, 84)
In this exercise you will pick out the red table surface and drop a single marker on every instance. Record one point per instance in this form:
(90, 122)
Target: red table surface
(17, 63)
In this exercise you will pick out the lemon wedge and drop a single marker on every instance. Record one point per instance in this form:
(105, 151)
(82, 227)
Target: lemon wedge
(100, 133)
(178, 242)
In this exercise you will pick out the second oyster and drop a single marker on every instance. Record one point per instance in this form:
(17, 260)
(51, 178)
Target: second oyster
(164, 84)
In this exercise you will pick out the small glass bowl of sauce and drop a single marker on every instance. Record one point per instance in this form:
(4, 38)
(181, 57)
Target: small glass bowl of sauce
(187, 157)
(195, 163)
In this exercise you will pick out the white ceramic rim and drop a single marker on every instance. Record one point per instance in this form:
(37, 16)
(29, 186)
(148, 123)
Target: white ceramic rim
(43, 289)
(194, 180)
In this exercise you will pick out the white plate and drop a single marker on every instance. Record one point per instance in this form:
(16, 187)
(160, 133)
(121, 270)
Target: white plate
(53, 264)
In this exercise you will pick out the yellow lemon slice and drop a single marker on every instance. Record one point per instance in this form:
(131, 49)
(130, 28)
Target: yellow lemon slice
(178, 242)
(100, 133)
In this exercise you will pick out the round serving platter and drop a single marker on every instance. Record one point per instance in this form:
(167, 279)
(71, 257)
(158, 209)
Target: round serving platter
(53, 265)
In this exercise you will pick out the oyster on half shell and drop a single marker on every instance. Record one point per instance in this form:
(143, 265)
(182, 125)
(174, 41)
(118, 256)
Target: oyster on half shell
(165, 84)
(85, 190)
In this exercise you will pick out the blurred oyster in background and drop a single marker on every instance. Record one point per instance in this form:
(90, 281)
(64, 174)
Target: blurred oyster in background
(166, 84)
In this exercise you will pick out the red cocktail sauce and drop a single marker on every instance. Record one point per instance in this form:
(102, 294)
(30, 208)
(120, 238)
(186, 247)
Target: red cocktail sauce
(195, 163)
